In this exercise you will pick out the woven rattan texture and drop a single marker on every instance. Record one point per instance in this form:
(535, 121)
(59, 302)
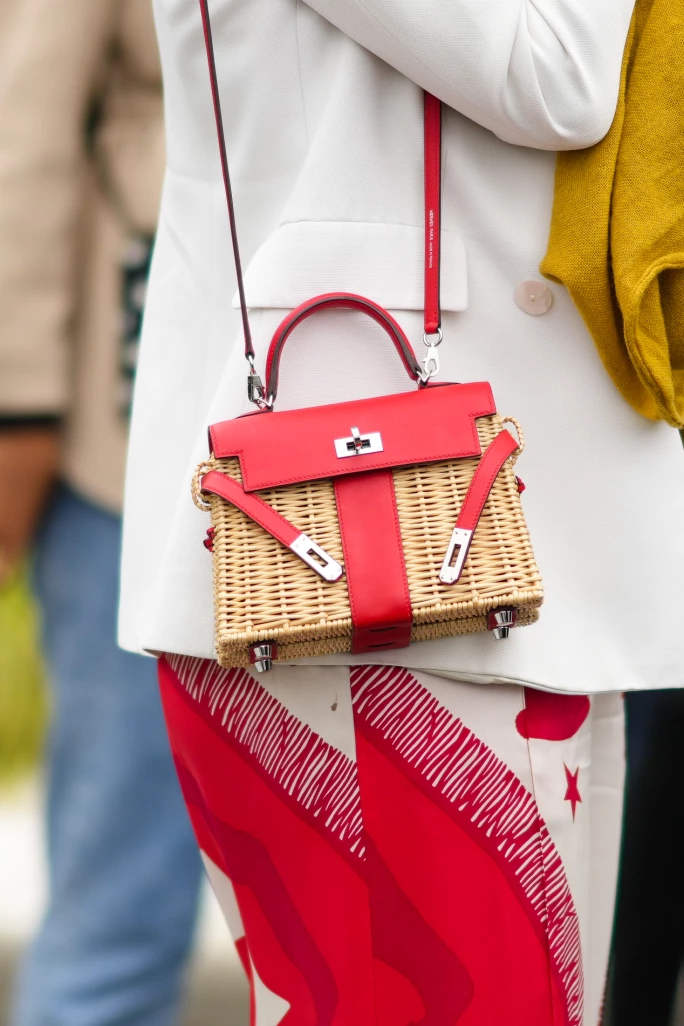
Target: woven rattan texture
(262, 591)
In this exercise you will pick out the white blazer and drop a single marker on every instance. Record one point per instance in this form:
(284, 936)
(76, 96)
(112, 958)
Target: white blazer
(323, 118)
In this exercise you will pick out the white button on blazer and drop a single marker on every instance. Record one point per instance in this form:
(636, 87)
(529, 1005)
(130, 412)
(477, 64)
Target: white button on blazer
(323, 117)
(533, 297)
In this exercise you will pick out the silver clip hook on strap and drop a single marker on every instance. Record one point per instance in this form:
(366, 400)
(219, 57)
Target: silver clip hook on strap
(256, 393)
(431, 362)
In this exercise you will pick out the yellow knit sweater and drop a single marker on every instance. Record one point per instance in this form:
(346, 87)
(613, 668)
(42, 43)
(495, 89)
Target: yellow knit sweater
(617, 231)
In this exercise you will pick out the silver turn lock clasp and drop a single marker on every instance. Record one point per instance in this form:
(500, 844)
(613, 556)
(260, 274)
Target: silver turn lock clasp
(357, 444)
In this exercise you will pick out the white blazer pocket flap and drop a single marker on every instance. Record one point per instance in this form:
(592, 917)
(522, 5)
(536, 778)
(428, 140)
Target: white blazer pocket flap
(383, 262)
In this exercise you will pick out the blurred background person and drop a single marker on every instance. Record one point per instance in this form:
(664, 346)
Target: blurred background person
(81, 163)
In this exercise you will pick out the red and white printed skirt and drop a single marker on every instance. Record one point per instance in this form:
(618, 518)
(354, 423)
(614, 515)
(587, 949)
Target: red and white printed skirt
(394, 848)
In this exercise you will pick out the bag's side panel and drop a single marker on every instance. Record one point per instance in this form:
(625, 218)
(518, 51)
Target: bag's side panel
(261, 589)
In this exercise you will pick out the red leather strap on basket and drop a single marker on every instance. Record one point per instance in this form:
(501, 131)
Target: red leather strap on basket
(374, 560)
(493, 459)
(273, 523)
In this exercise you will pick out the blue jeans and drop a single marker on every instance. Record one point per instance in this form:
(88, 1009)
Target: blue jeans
(123, 863)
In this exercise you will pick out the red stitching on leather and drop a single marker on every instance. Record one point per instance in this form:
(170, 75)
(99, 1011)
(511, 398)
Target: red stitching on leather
(343, 538)
(400, 541)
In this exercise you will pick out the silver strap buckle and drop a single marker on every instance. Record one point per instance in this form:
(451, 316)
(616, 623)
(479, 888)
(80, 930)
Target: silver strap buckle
(451, 569)
(317, 558)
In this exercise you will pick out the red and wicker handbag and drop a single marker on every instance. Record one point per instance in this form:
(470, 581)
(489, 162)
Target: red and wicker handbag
(342, 528)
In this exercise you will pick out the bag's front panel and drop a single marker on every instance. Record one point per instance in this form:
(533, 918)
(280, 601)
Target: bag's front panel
(264, 592)
(500, 569)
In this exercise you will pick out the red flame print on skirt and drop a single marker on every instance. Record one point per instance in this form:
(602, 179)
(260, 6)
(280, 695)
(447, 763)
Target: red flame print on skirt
(298, 942)
(465, 842)
(448, 883)
(551, 717)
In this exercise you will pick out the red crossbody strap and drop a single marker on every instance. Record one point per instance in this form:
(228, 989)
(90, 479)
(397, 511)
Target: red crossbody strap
(216, 99)
(432, 157)
(493, 459)
(433, 211)
(273, 523)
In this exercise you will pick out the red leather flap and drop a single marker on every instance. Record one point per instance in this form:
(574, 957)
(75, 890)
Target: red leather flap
(433, 423)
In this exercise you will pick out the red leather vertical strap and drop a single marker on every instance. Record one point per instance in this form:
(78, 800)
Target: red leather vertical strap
(374, 561)
(486, 473)
(433, 190)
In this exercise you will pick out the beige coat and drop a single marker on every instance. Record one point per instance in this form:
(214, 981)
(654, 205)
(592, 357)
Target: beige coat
(63, 68)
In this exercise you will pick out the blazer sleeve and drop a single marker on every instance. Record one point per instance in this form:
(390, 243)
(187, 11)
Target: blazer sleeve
(50, 56)
(539, 73)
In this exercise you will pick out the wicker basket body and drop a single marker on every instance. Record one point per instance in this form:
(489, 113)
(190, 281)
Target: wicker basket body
(263, 592)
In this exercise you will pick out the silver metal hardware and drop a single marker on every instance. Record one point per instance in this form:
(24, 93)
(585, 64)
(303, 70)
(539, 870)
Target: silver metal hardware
(430, 367)
(261, 657)
(317, 558)
(451, 569)
(358, 444)
(255, 388)
(431, 362)
(438, 336)
(500, 621)
(256, 393)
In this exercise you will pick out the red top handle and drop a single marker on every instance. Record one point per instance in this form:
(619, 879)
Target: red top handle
(337, 301)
